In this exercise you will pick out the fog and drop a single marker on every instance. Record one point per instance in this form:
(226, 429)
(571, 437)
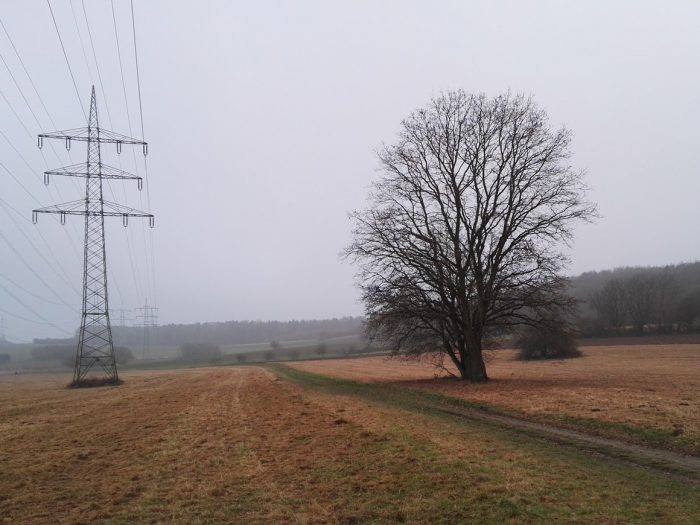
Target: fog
(263, 119)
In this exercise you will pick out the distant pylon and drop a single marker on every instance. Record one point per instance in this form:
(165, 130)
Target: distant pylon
(122, 324)
(95, 345)
(149, 319)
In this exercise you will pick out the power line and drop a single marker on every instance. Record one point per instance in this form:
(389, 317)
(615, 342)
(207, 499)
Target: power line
(149, 276)
(145, 160)
(30, 309)
(138, 75)
(97, 64)
(36, 92)
(80, 38)
(21, 92)
(19, 57)
(70, 239)
(65, 55)
(25, 290)
(22, 318)
(133, 266)
(21, 121)
(121, 69)
(19, 182)
(5, 206)
(32, 270)
(20, 155)
(118, 289)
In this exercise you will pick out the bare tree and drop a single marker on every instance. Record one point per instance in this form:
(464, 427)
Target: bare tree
(640, 300)
(610, 305)
(648, 299)
(688, 310)
(460, 238)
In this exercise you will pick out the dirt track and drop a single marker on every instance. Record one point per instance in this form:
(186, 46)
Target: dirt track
(649, 386)
(684, 465)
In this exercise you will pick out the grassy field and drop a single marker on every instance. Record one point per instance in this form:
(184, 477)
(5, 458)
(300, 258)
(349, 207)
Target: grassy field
(246, 445)
(649, 393)
(168, 357)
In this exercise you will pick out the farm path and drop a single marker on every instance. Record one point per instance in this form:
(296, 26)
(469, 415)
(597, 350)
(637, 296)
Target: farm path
(662, 460)
(649, 386)
(651, 457)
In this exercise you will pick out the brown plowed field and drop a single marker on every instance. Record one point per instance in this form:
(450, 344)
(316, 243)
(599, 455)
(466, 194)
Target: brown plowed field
(655, 386)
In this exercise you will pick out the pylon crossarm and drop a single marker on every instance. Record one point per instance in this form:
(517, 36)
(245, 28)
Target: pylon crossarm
(112, 209)
(72, 208)
(82, 170)
(83, 134)
(97, 134)
(79, 207)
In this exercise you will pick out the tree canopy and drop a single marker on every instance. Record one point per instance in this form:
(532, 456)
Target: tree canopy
(463, 232)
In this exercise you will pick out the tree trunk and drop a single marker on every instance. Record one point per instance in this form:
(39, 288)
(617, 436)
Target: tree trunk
(476, 365)
(473, 367)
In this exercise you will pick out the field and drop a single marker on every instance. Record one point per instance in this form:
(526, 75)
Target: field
(648, 392)
(162, 357)
(252, 445)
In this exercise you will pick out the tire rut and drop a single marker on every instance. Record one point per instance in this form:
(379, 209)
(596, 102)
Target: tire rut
(661, 460)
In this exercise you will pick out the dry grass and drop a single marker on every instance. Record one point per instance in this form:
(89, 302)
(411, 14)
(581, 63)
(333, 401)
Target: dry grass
(238, 445)
(653, 386)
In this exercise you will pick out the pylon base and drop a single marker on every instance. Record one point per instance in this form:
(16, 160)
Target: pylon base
(95, 382)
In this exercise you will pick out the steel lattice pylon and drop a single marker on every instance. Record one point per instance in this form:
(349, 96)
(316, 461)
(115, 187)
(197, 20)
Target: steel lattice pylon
(95, 347)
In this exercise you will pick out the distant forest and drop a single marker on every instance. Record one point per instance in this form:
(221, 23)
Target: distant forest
(233, 332)
(623, 301)
(638, 300)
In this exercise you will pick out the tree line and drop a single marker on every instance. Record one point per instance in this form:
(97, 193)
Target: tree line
(232, 332)
(638, 300)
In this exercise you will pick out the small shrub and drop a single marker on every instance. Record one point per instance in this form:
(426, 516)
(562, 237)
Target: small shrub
(123, 355)
(550, 342)
(4, 359)
(322, 349)
(269, 355)
(241, 358)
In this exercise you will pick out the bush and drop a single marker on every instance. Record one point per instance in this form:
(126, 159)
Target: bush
(322, 349)
(63, 353)
(241, 358)
(550, 342)
(269, 355)
(4, 359)
(123, 355)
(200, 352)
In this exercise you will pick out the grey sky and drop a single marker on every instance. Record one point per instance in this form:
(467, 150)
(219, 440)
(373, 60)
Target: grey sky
(263, 118)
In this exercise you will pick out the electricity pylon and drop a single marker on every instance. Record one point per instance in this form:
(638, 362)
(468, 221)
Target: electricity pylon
(95, 346)
(121, 340)
(149, 319)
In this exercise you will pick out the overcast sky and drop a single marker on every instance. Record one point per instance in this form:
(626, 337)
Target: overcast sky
(263, 119)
